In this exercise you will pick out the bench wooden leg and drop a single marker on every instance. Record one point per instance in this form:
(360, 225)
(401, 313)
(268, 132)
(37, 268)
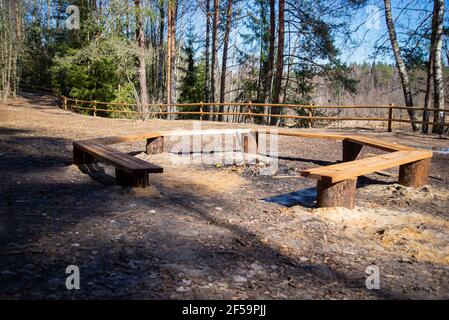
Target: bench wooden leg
(340, 194)
(131, 180)
(155, 145)
(80, 157)
(250, 142)
(351, 151)
(415, 174)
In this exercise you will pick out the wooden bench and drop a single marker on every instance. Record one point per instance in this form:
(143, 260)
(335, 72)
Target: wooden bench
(129, 171)
(336, 186)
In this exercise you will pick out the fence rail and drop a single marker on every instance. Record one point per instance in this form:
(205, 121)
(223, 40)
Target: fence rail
(248, 114)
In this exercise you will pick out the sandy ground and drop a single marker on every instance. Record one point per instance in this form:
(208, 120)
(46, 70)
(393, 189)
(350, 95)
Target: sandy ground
(204, 231)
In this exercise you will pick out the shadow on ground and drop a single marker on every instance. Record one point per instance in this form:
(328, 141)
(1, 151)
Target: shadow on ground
(131, 246)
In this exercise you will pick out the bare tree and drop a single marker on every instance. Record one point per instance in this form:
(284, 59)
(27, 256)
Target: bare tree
(280, 60)
(214, 53)
(270, 62)
(11, 37)
(161, 50)
(438, 82)
(171, 56)
(427, 99)
(400, 65)
(225, 57)
(207, 66)
(140, 38)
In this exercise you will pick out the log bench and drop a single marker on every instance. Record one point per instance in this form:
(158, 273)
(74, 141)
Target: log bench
(129, 171)
(336, 186)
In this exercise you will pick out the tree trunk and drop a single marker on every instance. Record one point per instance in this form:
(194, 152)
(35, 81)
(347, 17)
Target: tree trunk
(142, 66)
(438, 82)
(428, 97)
(400, 65)
(262, 49)
(161, 52)
(168, 64)
(280, 62)
(225, 58)
(171, 55)
(214, 54)
(207, 66)
(270, 62)
(173, 12)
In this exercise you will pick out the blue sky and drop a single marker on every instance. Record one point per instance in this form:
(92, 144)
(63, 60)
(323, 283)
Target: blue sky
(370, 27)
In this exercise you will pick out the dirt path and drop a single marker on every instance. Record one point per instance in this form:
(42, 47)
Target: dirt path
(203, 231)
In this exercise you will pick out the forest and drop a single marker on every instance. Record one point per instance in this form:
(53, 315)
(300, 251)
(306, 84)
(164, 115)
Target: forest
(150, 52)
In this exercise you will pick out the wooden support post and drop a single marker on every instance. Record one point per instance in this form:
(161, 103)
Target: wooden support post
(309, 120)
(351, 150)
(95, 108)
(415, 174)
(250, 146)
(250, 111)
(390, 117)
(131, 180)
(65, 103)
(76, 106)
(155, 145)
(340, 194)
(250, 142)
(201, 110)
(80, 157)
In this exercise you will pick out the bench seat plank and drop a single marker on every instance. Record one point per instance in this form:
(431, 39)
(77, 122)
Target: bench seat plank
(352, 169)
(120, 160)
(378, 144)
(122, 139)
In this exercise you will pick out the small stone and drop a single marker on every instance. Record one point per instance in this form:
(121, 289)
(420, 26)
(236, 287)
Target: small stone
(303, 259)
(182, 289)
(240, 279)
(75, 244)
(405, 260)
(218, 208)
(256, 266)
(186, 282)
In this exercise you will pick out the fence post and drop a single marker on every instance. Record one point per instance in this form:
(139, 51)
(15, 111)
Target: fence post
(95, 108)
(65, 103)
(201, 110)
(250, 111)
(390, 117)
(310, 116)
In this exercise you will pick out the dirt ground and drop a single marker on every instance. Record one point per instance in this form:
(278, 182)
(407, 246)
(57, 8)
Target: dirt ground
(204, 231)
